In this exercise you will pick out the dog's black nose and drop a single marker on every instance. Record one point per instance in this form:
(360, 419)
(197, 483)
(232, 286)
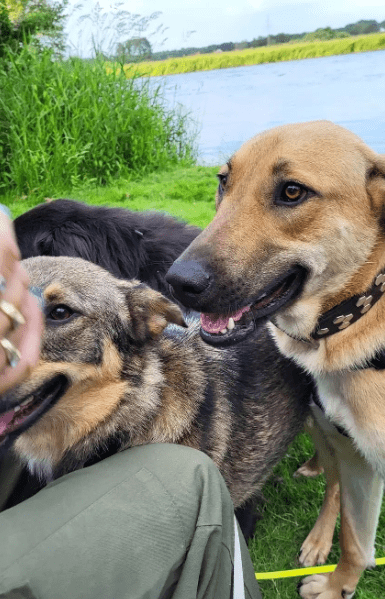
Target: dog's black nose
(189, 279)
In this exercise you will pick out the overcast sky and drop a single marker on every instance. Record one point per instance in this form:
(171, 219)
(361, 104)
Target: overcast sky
(204, 22)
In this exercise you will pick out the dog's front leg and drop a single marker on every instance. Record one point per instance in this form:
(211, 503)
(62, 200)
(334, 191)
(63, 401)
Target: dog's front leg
(361, 495)
(316, 547)
(312, 467)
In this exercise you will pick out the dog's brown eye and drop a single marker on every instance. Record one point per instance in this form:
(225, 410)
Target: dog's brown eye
(291, 194)
(61, 312)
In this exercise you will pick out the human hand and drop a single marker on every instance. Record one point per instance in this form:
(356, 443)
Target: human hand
(21, 320)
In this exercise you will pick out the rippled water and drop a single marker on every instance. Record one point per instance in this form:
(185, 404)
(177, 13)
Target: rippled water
(232, 105)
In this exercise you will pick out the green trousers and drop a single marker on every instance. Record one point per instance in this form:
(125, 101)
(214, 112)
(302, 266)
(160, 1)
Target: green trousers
(152, 522)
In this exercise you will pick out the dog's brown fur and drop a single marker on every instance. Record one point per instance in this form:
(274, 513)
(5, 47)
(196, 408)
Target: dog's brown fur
(337, 234)
(130, 382)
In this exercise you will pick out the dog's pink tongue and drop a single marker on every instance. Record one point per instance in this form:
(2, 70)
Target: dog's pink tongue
(214, 323)
(5, 419)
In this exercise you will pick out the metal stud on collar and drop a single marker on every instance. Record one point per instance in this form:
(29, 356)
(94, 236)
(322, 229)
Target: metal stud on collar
(323, 331)
(363, 300)
(343, 321)
(366, 302)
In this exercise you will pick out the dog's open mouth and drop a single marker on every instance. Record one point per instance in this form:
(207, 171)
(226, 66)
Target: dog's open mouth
(22, 416)
(224, 330)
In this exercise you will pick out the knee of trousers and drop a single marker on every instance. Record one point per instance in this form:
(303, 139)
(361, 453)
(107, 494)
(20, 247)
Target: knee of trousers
(192, 480)
(144, 507)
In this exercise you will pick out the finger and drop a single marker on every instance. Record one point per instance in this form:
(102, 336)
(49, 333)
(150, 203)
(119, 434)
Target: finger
(31, 339)
(29, 346)
(15, 295)
(9, 251)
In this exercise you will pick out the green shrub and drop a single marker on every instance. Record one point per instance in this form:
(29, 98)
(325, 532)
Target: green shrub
(65, 122)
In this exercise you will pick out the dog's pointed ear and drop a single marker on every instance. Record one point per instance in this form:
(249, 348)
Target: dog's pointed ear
(149, 311)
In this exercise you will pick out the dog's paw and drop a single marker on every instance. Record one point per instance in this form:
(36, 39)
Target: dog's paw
(320, 586)
(310, 469)
(314, 550)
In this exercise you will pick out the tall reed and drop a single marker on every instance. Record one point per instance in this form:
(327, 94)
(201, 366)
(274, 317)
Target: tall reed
(64, 122)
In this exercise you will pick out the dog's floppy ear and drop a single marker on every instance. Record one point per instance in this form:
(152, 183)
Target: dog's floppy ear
(375, 185)
(149, 311)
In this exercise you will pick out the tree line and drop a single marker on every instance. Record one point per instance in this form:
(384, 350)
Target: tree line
(41, 23)
(139, 49)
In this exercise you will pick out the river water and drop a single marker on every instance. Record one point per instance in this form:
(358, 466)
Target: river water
(232, 105)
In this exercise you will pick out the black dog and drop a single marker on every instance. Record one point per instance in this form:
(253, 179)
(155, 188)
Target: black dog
(130, 245)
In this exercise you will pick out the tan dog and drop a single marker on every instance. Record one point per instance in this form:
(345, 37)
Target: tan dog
(299, 240)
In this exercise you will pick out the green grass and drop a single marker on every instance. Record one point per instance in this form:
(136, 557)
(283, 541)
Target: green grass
(292, 505)
(64, 123)
(291, 508)
(186, 193)
(266, 54)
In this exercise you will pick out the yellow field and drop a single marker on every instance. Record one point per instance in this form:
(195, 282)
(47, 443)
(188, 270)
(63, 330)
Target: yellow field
(237, 58)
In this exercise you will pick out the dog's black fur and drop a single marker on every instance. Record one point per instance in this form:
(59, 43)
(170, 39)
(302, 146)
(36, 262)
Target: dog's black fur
(130, 245)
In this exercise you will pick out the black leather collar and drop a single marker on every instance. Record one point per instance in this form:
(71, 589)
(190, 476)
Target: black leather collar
(346, 313)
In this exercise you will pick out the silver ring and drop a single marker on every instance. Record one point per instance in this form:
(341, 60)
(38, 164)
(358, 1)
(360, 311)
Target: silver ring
(12, 354)
(3, 284)
(13, 314)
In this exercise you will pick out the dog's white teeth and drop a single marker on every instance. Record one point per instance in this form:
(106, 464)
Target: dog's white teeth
(25, 403)
(17, 409)
(230, 326)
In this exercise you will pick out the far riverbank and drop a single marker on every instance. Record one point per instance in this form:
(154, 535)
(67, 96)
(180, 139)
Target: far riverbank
(265, 54)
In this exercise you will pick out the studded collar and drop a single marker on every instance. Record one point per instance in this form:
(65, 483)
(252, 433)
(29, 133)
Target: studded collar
(346, 313)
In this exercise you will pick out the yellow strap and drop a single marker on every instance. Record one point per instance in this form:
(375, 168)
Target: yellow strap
(304, 571)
